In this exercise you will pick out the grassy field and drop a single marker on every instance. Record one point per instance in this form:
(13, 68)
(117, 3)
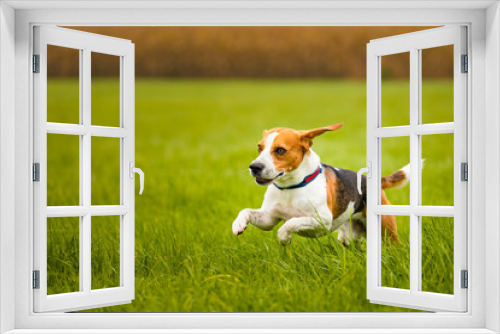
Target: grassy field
(194, 141)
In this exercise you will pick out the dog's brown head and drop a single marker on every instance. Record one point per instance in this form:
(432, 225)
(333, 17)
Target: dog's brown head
(282, 150)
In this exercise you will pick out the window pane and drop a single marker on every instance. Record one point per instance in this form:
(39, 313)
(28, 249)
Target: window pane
(395, 155)
(63, 170)
(63, 255)
(105, 257)
(396, 254)
(437, 84)
(105, 89)
(437, 174)
(105, 186)
(63, 85)
(437, 254)
(395, 89)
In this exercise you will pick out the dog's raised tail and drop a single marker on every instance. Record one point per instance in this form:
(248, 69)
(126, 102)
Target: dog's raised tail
(399, 178)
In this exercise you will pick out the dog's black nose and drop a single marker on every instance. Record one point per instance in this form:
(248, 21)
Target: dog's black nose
(256, 167)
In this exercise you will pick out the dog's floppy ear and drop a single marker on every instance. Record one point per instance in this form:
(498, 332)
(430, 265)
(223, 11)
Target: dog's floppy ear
(308, 135)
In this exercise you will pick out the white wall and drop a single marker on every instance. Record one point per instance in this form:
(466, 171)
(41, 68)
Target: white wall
(221, 17)
(7, 164)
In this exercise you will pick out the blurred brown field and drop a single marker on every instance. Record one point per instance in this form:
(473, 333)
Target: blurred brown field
(252, 52)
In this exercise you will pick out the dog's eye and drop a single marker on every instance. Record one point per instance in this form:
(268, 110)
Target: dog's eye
(259, 148)
(280, 151)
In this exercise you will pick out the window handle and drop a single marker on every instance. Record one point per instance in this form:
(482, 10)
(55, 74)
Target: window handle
(141, 175)
(368, 171)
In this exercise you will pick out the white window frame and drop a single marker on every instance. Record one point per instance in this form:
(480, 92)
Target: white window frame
(484, 103)
(85, 43)
(414, 43)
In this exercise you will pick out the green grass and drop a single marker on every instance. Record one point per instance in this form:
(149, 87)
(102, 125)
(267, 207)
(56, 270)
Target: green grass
(195, 140)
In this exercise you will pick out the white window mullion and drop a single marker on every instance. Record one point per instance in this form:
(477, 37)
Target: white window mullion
(80, 211)
(417, 123)
(460, 156)
(85, 250)
(421, 129)
(398, 210)
(127, 240)
(80, 130)
(373, 272)
(104, 131)
(393, 131)
(123, 163)
(424, 211)
(86, 240)
(39, 156)
(82, 221)
(67, 129)
(433, 129)
(414, 170)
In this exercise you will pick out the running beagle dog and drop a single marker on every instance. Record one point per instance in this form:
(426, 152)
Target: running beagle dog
(311, 197)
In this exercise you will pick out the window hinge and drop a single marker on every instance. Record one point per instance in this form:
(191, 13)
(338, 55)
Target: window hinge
(465, 279)
(36, 172)
(36, 279)
(464, 171)
(36, 63)
(465, 64)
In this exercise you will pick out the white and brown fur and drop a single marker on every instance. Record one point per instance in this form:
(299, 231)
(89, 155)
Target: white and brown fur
(329, 203)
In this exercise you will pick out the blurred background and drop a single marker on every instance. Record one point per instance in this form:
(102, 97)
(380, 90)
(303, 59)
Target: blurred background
(204, 95)
(252, 52)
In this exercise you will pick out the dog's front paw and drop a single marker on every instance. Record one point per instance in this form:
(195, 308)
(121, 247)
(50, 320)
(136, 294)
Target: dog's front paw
(239, 226)
(284, 236)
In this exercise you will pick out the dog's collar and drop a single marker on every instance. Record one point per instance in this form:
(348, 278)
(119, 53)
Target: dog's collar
(308, 179)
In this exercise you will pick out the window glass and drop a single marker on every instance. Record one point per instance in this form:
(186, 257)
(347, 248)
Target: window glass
(437, 254)
(395, 252)
(395, 89)
(105, 90)
(63, 255)
(395, 155)
(63, 87)
(438, 172)
(105, 257)
(437, 84)
(105, 171)
(63, 170)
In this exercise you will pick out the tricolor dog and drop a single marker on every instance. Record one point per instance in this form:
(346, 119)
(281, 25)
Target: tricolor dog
(309, 196)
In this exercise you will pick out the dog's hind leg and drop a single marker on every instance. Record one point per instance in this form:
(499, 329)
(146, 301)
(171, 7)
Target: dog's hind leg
(304, 226)
(390, 228)
(353, 230)
(389, 225)
(343, 236)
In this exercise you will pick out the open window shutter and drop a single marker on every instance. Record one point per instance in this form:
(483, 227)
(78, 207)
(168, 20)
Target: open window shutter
(84, 297)
(414, 43)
